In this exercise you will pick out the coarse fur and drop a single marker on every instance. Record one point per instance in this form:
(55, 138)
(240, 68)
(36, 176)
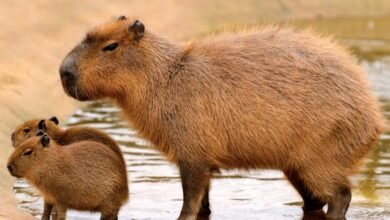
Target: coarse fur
(63, 136)
(84, 176)
(276, 98)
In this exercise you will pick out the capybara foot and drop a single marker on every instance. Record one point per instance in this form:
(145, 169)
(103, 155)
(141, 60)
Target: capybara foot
(338, 206)
(312, 205)
(318, 214)
(187, 217)
(108, 217)
(205, 212)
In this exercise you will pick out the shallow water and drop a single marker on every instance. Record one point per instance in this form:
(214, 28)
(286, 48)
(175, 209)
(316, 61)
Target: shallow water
(155, 184)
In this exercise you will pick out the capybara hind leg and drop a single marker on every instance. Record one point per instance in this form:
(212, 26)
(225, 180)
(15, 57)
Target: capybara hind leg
(310, 201)
(195, 180)
(47, 211)
(204, 212)
(317, 215)
(338, 205)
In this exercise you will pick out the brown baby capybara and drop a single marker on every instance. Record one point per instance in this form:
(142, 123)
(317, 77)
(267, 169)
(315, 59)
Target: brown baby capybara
(84, 176)
(275, 98)
(62, 137)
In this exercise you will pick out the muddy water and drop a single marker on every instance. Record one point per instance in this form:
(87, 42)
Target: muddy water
(155, 184)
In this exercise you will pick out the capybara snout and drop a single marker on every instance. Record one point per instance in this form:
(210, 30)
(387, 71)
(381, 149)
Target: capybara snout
(121, 41)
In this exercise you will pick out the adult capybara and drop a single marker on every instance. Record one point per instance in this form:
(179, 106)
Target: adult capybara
(84, 176)
(274, 98)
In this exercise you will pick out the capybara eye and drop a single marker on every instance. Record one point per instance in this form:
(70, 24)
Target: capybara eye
(26, 130)
(28, 152)
(110, 47)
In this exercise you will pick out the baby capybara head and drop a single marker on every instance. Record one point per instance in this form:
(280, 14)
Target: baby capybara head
(99, 66)
(30, 128)
(29, 155)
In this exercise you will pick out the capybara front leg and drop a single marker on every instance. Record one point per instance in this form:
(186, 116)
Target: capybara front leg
(109, 213)
(60, 212)
(195, 180)
(310, 201)
(338, 205)
(109, 217)
(204, 212)
(47, 211)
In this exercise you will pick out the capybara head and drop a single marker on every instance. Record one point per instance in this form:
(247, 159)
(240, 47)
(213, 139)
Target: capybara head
(29, 155)
(30, 128)
(109, 60)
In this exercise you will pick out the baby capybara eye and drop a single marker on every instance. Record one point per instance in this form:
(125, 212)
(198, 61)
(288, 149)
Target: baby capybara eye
(26, 130)
(28, 152)
(110, 47)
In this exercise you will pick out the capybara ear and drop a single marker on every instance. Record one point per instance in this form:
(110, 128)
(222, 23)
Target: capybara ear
(122, 17)
(55, 120)
(42, 125)
(45, 140)
(40, 133)
(138, 29)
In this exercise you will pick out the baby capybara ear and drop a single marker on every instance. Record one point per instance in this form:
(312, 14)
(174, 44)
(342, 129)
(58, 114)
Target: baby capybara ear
(122, 17)
(45, 140)
(138, 29)
(42, 125)
(55, 120)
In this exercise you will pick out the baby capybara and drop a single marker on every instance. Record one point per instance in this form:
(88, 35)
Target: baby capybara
(62, 137)
(275, 98)
(84, 176)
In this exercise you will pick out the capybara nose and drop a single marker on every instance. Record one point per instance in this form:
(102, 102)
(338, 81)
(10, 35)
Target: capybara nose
(10, 168)
(66, 76)
(68, 70)
(13, 136)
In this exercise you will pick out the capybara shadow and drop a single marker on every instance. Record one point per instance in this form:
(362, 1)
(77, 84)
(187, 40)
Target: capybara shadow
(271, 97)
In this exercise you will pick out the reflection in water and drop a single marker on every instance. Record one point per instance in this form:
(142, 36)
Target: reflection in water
(156, 191)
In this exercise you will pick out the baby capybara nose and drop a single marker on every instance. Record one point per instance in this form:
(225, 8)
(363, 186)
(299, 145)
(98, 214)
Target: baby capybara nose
(13, 136)
(10, 167)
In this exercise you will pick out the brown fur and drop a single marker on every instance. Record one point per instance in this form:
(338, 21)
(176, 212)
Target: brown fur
(85, 175)
(274, 98)
(64, 136)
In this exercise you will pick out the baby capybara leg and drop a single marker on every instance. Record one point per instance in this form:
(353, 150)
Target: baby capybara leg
(47, 211)
(338, 205)
(195, 180)
(204, 211)
(310, 201)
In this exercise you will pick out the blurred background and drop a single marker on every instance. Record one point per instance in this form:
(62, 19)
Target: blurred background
(36, 35)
